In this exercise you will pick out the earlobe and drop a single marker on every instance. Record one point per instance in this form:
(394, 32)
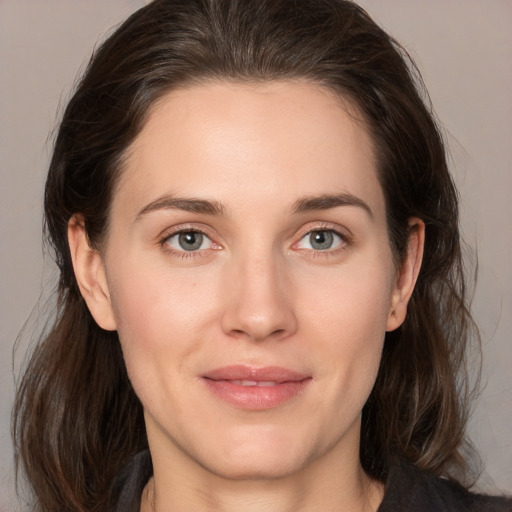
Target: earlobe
(90, 274)
(407, 274)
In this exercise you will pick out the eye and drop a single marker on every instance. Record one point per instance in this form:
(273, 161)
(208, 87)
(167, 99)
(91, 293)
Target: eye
(320, 240)
(189, 241)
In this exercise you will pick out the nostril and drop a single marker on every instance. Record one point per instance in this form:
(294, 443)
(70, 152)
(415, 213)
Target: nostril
(253, 313)
(253, 334)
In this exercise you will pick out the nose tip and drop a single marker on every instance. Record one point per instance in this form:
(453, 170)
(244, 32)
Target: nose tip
(258, 329)
(259, 305)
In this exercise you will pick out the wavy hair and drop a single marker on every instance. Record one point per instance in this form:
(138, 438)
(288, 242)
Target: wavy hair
(76, 418)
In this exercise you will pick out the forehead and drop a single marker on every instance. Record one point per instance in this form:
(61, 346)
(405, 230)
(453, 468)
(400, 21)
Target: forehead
(229, 140)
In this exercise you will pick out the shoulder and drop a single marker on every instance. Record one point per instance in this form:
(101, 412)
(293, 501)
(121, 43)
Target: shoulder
(126, 491)
(409, 488)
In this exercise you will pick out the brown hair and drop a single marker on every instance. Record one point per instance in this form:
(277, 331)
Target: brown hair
(76, 418)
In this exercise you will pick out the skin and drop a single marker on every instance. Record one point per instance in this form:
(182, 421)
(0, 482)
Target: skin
(256, 292)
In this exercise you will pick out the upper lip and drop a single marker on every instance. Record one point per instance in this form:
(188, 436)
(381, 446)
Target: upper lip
(248, 373)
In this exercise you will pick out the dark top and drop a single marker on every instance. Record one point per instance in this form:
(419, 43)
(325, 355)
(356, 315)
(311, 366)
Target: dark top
(407, 489)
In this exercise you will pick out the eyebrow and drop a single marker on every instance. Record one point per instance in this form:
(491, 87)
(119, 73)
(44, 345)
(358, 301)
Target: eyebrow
(327, 201)
(204, 206)
(192, 204)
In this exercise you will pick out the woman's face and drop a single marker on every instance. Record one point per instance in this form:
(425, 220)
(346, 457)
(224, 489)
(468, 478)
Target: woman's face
(250, 277)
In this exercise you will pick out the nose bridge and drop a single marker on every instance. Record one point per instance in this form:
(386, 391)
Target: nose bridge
(259, 304)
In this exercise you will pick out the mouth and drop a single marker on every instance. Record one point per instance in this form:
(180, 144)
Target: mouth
(249, 383)
(256, 388)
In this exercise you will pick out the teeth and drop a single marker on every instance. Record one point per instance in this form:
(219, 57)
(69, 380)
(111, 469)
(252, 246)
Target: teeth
(254, 383)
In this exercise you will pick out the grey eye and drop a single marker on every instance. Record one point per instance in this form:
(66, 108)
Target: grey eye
(321, 240)
(189, 241)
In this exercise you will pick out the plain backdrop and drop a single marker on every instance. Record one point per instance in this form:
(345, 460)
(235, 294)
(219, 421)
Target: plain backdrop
(464, 50)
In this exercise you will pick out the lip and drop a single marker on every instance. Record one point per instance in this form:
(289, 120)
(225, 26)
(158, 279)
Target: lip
(256, 388)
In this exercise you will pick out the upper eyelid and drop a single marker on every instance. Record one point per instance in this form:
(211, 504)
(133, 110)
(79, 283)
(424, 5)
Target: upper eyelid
(343, 232)
(180, 231)
(344, 239)
(320, 229)
(176, 230)
(166, 235)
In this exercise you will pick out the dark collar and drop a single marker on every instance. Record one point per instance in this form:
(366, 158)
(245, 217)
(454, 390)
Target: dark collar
(129, 484)
(408, 489)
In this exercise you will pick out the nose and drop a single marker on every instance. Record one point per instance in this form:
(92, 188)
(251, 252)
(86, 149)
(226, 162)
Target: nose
(258, 300)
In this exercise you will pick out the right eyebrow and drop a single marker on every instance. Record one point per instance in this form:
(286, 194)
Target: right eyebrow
(187, 204)
(328, 201)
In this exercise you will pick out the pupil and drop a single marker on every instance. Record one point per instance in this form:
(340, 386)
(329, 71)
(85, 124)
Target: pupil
(321, 240)
(190, 241)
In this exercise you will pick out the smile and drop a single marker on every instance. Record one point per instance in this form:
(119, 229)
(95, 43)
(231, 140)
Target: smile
(254, 383)
(256, 388)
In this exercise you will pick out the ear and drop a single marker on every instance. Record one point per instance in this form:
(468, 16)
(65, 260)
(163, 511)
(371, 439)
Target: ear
(90, 274)
(407, 274)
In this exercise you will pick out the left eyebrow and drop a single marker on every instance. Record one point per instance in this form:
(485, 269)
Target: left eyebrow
(328, 201)
(186, 204)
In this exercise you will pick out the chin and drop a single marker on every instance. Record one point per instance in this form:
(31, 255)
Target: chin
(258, 456)
(264, 468)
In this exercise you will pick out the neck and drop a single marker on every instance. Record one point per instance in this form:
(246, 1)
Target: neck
(335, 482)
(255, 497)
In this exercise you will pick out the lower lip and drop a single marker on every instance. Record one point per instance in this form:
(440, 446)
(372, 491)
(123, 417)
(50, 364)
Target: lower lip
(256, 397)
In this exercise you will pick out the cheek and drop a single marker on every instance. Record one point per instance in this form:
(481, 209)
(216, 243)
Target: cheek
(352, 300)
(149, 300)
(346, 328)
(160, 315)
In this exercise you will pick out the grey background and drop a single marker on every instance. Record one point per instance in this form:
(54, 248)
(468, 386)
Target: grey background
(464, 49)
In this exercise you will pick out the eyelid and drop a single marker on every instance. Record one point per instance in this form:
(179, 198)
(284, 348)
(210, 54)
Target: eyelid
(343, 233)
(176, 236)
(187, 228)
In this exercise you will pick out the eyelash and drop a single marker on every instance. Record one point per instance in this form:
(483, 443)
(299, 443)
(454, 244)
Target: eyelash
(185, 254)
(345, 240)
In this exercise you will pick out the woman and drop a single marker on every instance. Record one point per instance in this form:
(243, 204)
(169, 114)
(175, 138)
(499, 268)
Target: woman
(261, 277)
